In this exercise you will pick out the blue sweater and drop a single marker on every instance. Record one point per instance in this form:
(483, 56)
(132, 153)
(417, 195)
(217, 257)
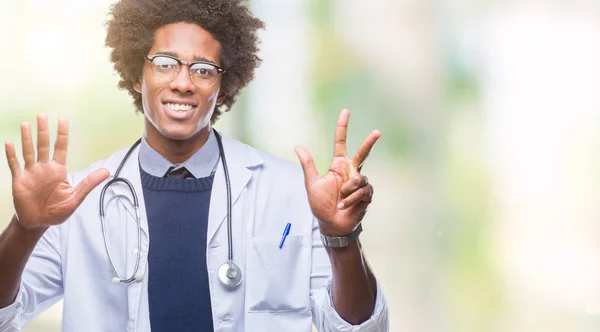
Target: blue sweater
(178, 289)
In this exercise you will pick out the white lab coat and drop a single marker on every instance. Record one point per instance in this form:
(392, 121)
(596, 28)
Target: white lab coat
(283, 289)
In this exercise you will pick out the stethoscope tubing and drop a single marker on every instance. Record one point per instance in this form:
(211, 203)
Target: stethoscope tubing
(228, 186)
(116, 179)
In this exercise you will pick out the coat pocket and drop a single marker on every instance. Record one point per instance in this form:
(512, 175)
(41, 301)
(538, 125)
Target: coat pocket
(278, 280)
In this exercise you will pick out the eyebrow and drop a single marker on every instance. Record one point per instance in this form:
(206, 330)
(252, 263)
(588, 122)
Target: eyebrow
(198, 58)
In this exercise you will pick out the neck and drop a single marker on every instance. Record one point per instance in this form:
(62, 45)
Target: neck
(175, 151)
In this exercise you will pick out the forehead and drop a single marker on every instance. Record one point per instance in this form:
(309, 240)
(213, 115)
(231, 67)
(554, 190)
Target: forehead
(187, 41)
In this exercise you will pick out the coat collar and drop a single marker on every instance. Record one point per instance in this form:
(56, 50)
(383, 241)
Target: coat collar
(240, 159)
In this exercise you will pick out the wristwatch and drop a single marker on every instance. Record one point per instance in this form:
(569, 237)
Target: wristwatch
(341, 241)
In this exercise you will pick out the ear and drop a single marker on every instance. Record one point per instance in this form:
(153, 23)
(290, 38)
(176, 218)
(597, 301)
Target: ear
(137, 87)
(221, 98)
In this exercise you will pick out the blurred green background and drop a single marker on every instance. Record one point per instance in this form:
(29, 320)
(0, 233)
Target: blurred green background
(485, 215)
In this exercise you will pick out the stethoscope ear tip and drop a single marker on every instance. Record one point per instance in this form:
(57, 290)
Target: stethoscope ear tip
(139, 276)
(115, 280)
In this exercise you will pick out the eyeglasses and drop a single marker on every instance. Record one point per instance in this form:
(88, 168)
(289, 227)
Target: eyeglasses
(166, 68)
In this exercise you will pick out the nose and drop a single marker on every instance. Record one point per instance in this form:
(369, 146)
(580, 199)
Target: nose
(183, 82)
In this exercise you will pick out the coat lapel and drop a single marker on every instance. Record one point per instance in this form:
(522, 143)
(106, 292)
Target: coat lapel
(240, 159)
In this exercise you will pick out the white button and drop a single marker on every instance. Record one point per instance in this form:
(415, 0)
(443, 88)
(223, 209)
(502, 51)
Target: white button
(227, 318)
(130, 326)
(134, 253)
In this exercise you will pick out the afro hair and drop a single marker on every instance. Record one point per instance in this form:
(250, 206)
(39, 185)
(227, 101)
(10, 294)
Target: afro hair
(132, 25)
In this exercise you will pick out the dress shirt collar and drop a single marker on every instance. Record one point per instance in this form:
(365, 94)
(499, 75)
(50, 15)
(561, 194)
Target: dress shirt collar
(201, 164)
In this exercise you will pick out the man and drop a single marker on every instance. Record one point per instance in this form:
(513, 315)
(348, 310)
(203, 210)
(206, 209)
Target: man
(190, 202)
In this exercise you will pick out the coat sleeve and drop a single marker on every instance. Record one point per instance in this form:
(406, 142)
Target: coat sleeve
(41, 284)
(325, 318)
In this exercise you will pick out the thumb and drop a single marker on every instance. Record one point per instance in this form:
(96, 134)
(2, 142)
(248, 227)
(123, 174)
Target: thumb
(90, 182)
(311, 175)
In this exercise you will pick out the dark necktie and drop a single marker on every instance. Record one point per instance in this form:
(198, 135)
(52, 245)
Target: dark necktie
(180, 173)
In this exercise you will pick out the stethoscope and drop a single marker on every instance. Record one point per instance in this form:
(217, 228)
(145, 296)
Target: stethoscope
(229, 273)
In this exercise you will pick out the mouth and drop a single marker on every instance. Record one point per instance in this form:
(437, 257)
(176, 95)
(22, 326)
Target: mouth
(179, 110)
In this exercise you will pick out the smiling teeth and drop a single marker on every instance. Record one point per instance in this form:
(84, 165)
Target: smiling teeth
(179, 107)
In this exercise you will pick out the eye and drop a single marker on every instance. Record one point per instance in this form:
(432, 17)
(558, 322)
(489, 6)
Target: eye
(204, 70)
(164, 63)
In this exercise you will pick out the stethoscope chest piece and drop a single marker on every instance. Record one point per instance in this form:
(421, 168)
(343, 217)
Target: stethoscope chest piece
(230, 274)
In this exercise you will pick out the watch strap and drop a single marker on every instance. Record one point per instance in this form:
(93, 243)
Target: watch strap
(341, 241)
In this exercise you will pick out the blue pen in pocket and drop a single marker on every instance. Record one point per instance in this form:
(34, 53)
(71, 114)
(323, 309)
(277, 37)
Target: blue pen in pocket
(286, 232)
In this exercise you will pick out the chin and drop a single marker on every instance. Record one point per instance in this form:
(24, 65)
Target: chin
(181, 134)
(178, 135)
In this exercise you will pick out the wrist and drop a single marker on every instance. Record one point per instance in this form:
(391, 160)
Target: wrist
(327, 229)
(26, 233)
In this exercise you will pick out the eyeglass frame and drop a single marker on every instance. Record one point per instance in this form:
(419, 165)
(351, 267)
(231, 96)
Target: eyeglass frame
(220, 70)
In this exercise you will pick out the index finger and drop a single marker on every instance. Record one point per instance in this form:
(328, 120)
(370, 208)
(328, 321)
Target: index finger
(62, 142)
(365, 149)
(339, 147)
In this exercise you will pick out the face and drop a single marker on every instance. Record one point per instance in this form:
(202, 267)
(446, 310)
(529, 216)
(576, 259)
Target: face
(179, 110)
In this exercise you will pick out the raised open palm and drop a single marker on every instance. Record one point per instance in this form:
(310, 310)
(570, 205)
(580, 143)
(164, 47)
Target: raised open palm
(340, 198)
(42, 195)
